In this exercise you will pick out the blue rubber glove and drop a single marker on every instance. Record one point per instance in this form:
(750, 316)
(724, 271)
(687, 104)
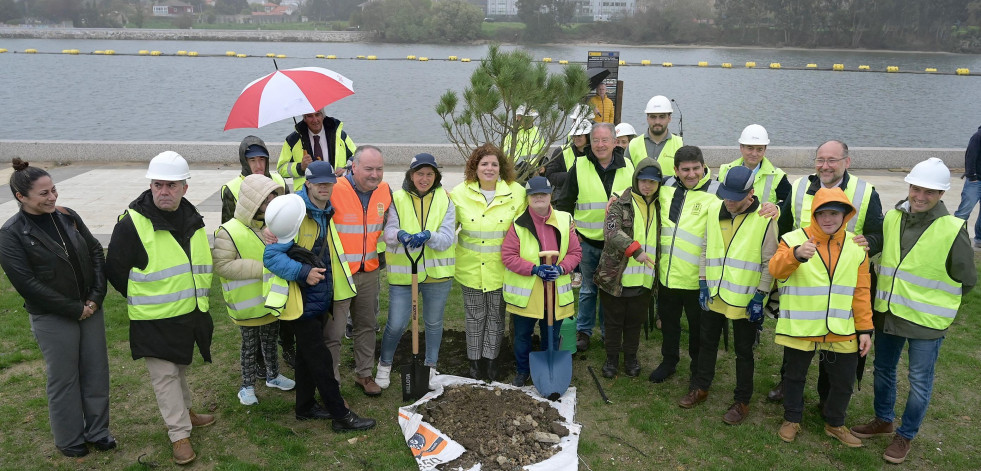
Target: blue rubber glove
(755, 308)
(419, 239)
(704, 298)
(405, 238)
(551, 273)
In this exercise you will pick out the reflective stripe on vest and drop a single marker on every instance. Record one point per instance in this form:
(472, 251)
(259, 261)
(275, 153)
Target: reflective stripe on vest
(811, 304)
(765, 179)
(436, 264)
(645, 233)
(170, 285)
(917, 287)
(681, 244)
(245, 299)
(733, 272)
(518, 288)
(482, 229)
(858, 191)
(359, 228)
(637, 148)
(591, 203)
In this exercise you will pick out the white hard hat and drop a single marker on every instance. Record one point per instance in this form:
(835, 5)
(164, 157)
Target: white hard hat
(169, 166)
(582, 128)
(581, 112)
(625, 129)
(284, 215)
(524, 111)
(931, 173)
(659, 104)
(754, 135)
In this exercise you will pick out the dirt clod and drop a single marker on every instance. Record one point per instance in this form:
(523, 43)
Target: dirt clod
(502, 429)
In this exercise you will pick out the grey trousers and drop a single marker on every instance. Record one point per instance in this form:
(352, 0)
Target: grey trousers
(363, 310)
(77, 368)
(173, 396)
(483, 322)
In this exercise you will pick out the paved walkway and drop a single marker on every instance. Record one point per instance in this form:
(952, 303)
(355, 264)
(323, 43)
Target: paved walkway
(101, 192)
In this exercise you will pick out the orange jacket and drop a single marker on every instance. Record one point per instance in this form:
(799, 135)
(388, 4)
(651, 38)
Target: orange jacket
(358, 228)
(828, 251)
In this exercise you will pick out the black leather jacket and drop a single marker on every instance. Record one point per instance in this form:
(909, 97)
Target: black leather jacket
(39, 268)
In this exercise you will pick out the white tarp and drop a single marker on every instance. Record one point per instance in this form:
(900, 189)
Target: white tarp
(430, 447)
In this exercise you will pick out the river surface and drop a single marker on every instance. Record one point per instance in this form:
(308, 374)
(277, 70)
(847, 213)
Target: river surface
(121, 97)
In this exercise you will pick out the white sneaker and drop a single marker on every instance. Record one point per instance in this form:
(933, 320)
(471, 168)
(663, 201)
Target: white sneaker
(247, 396)
(281, 382)
(432, 373)
(383, 378)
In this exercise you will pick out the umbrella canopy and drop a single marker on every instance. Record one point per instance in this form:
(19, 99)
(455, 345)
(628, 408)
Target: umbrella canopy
(287, 93)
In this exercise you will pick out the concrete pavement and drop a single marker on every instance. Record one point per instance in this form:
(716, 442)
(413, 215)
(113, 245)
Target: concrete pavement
(100, 192)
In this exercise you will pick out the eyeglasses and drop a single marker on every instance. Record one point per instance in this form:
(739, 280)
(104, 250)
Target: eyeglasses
(822, 162)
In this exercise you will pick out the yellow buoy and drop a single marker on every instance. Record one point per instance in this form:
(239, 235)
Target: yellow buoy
(623, 62)
(864, 67)
(2, 50)
(230, 53)
(703, 64)
(892, 68)
(930, 69)
(727, 65)
(750, 64)
(423, 59)
(110, 52)
(280, 56)
(181, 53)
(321, 56)
(192, 54)
(143, 52)
(360, 56)
(546, 59)
(30, 51)
(99, 52)
(645, 62)
(563, 62)
(331, 56)
(241, 55)
(453, 58)
(465, 59)
(963, 71)
(270, 54)
(371, 58)
(155, 53)
(774, 65)
(66, 51)
(667, 64)
(838, 67)
(409, 57)
(812, 66)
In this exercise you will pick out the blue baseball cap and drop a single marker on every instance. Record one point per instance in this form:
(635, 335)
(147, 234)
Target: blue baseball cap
(650, 173)
(255, 150)
(320, 172)
(538, 185)
(423, 159)
(737, 183)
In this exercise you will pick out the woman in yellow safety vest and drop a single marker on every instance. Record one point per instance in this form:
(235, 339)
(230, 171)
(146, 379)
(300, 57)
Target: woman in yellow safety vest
(538, 229)
(826, 307)
(422, 220)
(486, 203)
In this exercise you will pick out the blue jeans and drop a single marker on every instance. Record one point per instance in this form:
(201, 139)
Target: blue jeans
(588, 295)
(970, 196)
(922, 360)
(433, 299)
(523, 328)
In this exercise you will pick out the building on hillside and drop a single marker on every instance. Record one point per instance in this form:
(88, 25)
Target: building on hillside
(585, 10)
(172, 8)
(273, 13)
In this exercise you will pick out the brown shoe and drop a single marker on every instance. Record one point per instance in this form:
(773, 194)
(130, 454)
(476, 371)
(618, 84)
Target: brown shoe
(694, 397)
(897, 450)
(200, 420)
(788, 431)
(736, 414)
(874, 428)
(582, 342)
(843, 435)
(368, 384)
(183, 453)
(776, 394)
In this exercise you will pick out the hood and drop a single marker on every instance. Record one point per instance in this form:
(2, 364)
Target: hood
(644, 163)
(411, 189)
(827, 195)
(242, 147)
(255, 189)
(320, 215)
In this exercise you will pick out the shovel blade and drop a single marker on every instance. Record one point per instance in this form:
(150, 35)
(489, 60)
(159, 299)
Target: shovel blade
(551, 371)
(415, 380)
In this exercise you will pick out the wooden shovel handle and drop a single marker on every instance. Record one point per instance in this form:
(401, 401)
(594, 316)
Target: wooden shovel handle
(549, 287)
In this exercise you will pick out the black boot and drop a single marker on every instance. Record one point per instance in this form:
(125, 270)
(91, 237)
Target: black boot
(475, 369)
(610, 367)
(631, 366)
(491, 370)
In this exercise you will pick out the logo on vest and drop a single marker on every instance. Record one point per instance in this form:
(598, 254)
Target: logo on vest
(381, 209)
(696, 209)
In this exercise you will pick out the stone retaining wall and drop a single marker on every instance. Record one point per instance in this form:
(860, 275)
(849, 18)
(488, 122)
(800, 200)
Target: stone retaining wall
(446, 154)
(186, 34)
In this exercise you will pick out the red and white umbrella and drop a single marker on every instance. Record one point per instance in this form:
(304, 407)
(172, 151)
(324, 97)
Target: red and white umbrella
(287, 93)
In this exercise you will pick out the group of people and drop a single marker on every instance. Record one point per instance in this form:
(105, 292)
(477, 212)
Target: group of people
(638, 215)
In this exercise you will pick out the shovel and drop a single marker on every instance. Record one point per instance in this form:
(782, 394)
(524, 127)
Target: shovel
(415, 376)
(551, 370)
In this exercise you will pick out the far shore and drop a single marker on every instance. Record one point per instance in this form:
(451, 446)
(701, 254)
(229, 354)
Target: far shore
(270, 35)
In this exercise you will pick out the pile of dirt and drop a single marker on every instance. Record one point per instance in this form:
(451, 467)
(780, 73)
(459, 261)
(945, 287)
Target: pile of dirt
(502, 429)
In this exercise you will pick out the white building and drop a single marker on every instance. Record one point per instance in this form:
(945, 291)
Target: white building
(598, 10)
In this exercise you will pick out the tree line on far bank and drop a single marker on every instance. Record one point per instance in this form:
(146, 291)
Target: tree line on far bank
(945, 25)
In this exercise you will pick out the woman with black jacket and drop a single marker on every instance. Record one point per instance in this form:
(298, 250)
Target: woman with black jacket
(55, 263)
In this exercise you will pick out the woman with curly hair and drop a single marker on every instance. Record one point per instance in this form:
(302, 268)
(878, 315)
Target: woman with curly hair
(486, 203)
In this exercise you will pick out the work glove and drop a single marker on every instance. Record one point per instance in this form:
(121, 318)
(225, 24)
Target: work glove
(755, 308)
(545, 272)
(419, 239)
(405, 238)
(558, 270)
(704, 298)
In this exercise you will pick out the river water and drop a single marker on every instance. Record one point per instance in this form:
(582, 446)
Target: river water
(87, 97)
